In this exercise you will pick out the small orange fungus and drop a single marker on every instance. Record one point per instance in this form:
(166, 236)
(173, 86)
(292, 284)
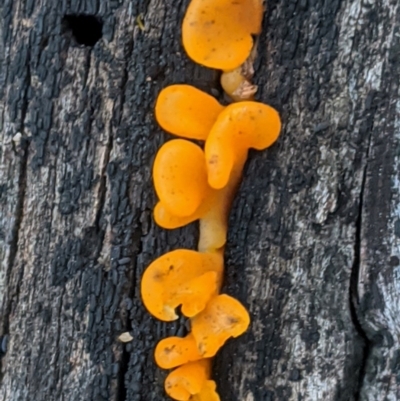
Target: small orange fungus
(224, 317)
(175, 351)
(239, 127)
(186, 111)
(218, 33)
(180, 176)
(181, 277)
(207, 393)
(188, 380)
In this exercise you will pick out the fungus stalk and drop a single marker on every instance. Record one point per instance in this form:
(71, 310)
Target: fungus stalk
(237, 83)
(214, 223)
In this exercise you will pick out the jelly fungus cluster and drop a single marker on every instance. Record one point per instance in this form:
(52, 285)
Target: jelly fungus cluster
(195, 182)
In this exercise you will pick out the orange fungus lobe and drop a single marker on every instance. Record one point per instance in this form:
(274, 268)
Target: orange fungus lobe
(218, 34)
(224, 317)
(188, 380)
(186, 111)
(207, 393)
(181, 277)
(180, 176)
(165, 219)
(175, 351)
(239, 127)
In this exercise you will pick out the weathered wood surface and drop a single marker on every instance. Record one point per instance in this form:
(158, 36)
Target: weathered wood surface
(314, 242)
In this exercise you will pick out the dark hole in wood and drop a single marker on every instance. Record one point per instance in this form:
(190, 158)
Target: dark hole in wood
(85, 29)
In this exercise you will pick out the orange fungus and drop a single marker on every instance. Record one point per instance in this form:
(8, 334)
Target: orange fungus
(218, 33)
(181, 277)
(175, 351)
(180, 176)
(239, 127)
(165, 219)
(207, 393)
(186, 111)
(224, 317)
(188, 379)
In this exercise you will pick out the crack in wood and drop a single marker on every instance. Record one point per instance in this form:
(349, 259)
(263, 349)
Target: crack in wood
(121, 393)
(355, 272)
(15, 231)
(124, 80)
(19, 210)
(353, 293)
(124, 361)
(103, 187)
(21, 188)
(58, 374)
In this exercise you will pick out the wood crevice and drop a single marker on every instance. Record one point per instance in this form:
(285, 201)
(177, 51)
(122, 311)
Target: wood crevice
(354, 279)
(23, 152)
(121, 392)
(353, 293)
(103, 187)
(124, 79)
(58, 337)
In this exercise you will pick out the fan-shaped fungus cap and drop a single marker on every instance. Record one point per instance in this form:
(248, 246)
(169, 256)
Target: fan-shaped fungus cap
(223, 317)
(181, 277)
(186, 111)
(239, 127)
(180, 176)
(207, 393)
(188, 379)
(218, 34)
(175, 351)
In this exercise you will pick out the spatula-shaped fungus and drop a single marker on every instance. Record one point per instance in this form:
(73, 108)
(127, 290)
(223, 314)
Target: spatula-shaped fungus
(180, 176)
(175, 351)
(188, 379)
(186, 111)
(218, 33)
(239, 127)
(181, 277)
(223, 317)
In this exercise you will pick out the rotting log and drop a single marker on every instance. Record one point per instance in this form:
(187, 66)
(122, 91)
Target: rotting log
(314, 238)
